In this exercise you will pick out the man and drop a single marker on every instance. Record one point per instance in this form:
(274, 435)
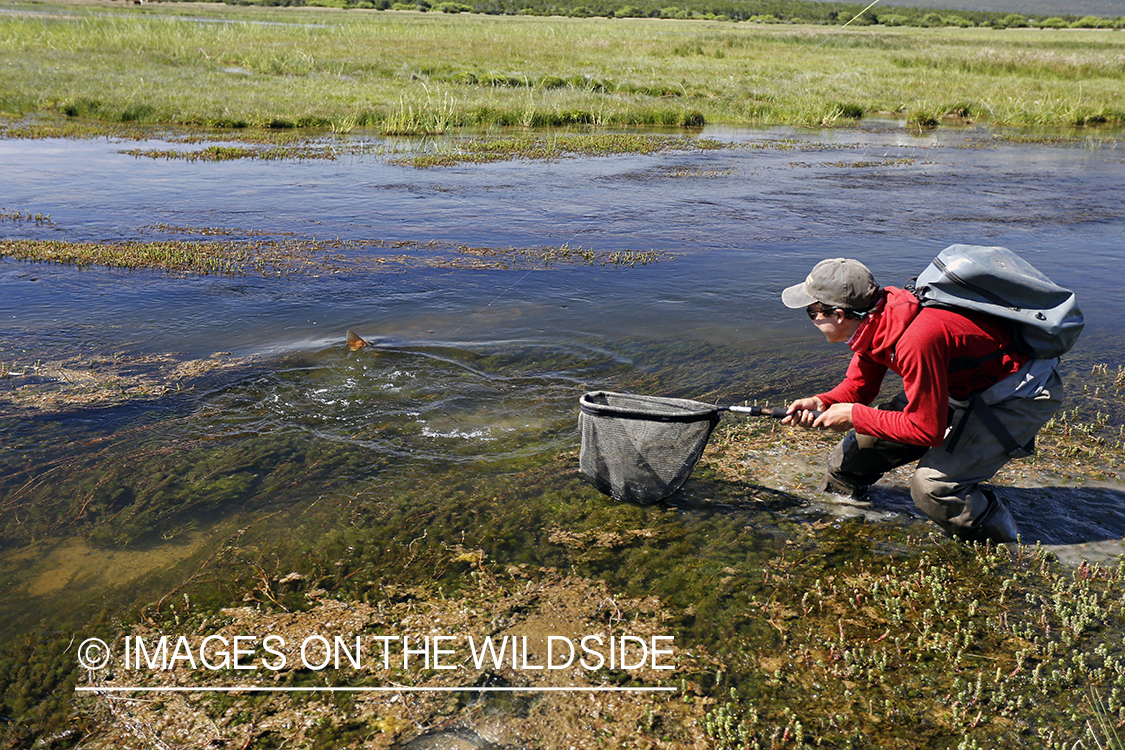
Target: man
(945, 357)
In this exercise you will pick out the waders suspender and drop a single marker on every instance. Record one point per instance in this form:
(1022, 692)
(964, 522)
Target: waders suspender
(985, 413)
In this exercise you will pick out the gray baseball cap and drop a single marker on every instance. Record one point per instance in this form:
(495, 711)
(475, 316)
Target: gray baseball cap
(839, 282)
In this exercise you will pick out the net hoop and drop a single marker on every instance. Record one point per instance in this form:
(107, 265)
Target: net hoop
(647, 408)
(641, 448)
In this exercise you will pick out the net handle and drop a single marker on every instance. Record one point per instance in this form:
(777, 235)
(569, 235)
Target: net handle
(775, 412)
(704, 412)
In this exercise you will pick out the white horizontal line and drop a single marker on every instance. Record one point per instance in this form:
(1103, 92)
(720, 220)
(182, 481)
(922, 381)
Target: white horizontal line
(265, 689)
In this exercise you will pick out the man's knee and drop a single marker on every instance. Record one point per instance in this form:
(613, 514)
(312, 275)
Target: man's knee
(859, 461)
(847, 472)
(931, 496)
(949, 505)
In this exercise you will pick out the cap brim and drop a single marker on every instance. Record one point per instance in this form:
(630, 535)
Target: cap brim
(796, 296)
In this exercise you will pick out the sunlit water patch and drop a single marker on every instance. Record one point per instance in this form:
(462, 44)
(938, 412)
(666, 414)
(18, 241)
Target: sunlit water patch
(436, 404)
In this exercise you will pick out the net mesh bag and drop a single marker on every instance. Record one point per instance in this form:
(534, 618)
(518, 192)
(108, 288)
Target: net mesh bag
(641, 448)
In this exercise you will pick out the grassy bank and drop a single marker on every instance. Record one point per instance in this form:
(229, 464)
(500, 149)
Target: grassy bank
(411, 73)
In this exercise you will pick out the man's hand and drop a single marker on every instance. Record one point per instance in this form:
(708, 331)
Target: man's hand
(801, 411)
(836, 417)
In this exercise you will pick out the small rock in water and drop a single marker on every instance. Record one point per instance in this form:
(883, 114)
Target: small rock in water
(458, 738)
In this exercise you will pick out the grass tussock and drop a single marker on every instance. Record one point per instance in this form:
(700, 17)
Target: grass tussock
(484, 150)
(286, 258)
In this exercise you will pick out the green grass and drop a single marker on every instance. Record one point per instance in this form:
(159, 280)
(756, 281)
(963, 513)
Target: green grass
(483, 150)
(208, 258)
(413, 73)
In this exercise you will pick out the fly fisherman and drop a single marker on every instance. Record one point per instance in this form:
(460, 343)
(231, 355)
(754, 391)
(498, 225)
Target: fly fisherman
(944, 358)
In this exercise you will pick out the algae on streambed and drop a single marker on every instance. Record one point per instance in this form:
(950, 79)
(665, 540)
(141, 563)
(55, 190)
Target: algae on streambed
(846, 634)
(63, 383)
(501, 605)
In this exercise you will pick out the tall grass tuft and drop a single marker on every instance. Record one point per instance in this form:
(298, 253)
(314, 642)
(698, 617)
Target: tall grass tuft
(424, 118)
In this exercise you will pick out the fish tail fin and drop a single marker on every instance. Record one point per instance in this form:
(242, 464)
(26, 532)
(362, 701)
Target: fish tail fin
(355, 341)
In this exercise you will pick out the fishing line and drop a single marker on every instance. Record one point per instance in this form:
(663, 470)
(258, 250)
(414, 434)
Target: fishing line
(481, 311)
(822, 43)
(357, 342)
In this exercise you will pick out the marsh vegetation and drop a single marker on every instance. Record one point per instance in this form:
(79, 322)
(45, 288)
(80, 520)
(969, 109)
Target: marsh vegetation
(237, 67)
(287, 257)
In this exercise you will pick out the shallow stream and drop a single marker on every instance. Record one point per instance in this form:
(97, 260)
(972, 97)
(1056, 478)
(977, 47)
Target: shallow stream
(458, 422)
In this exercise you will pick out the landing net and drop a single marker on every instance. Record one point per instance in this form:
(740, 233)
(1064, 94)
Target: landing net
(641, 448)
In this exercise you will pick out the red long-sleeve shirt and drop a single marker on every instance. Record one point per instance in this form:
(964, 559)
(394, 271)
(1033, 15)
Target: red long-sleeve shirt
(919, 345)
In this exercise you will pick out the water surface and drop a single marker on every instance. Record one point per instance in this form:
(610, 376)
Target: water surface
(473, 377)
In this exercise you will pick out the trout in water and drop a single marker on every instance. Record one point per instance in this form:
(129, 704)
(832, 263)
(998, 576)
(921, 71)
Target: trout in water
(355, 341)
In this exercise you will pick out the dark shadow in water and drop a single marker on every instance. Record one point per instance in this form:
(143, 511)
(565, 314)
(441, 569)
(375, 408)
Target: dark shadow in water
(712, 496)
(1047, 515)
(116, 412)
(1050, 515)
(1066, 515)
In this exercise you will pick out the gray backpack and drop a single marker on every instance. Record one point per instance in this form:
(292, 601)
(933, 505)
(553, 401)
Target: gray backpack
(995, 280)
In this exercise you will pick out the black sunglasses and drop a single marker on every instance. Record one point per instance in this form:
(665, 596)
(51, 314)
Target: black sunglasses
(818, 309)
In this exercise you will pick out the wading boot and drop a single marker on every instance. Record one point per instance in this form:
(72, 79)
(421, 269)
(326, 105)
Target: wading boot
(996, 525)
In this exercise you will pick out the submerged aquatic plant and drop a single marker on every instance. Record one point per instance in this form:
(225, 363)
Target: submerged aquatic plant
(207, 258)
(17, 216)
(296, 151)
(284, 258)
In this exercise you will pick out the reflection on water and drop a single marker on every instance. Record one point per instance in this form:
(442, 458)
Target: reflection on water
(472, 382)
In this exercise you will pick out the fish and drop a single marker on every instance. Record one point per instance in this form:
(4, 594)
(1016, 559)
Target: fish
(355, 341)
